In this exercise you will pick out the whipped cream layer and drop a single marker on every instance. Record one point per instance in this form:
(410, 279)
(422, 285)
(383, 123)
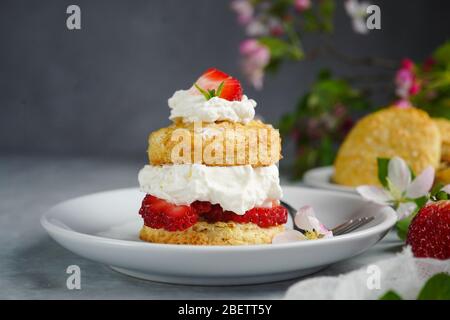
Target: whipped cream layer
(191, 107)
(235, 188)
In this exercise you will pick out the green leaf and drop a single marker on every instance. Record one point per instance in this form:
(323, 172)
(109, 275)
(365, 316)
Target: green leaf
(286, 123)
(210, 93)
(310, 21)
(442, 54)
(205, 93)
(441, 195)
(420, 202)
(383, 170)
(390, 295)
(326, 152)
(273, 65)
(324, 74)
(326, 12)
(280, 49)
(220, 88)
(436, 288)
(436, 189)
(402, 227)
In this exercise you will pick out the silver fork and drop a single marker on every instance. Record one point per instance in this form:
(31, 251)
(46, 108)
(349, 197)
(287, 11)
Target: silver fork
(343, 228)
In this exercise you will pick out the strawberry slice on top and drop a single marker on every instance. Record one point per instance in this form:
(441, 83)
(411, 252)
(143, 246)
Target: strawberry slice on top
(216, 83)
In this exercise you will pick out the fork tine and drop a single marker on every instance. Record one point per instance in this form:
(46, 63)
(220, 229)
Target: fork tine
(362, 223)
(353, 226)
(342, 226)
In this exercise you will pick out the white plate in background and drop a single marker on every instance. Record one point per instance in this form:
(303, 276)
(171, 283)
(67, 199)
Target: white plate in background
(321, 178)
(104, 227)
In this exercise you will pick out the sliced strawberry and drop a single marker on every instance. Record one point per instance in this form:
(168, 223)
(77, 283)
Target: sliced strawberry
(263, 217)
(211, 80)
(158, 213)
(232, 90)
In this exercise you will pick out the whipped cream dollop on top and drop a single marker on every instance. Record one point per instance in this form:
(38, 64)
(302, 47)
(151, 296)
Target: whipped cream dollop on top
(191, 107)
(235, 188)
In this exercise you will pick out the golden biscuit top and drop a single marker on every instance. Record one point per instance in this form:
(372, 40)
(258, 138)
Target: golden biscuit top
(220, 143)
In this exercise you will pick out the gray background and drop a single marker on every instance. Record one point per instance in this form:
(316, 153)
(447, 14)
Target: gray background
(100, 91)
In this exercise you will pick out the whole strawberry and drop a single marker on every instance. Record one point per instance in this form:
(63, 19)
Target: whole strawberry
(429, 232)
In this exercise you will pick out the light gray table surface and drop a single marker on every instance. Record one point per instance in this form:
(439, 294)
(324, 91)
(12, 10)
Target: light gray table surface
(33, 266)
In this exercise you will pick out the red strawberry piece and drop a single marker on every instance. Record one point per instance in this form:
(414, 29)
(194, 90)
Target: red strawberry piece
(158, 213)
(212, 78)
(429, 232)
(201, 206)
(263, 217)
(214, 214)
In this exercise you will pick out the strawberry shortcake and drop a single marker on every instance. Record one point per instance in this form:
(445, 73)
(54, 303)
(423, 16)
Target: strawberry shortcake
(212, 177)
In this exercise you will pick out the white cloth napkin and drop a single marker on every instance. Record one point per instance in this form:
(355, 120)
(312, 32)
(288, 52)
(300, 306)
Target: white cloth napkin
(403, 273)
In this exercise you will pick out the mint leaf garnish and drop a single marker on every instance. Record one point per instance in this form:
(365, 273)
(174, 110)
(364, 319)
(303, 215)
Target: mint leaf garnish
(220, 88)
(210, 93)
(203, 91)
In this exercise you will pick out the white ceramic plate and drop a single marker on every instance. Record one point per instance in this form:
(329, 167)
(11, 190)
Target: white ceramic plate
(322, 178)
(104, 227)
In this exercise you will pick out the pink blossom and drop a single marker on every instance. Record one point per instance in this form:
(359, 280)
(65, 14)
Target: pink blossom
(339, 110)
(402, 104)
(306, 220)
(407, 64)
(275, 27)
(406, 81)
(244, 11)
(248, 46)
(255, 58)
(415, 88)
(302, 5)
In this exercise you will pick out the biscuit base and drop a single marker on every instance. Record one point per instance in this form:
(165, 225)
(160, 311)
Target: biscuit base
(219, 233)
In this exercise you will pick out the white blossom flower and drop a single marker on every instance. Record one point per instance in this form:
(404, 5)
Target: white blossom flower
(306, 220)
(289, 236)
(358, 12)
(401, 189)
(446, 189)
(244, 11)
